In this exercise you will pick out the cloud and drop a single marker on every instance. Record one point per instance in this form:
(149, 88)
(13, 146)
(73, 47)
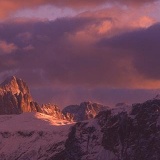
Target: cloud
(64, 52)
(6, 48)
(143, 22)
(9, 6)
(143, 46)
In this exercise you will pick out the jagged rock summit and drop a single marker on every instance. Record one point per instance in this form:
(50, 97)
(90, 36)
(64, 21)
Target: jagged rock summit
(14, 85)
(15, 97)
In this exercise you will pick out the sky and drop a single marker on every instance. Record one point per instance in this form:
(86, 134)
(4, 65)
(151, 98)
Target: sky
(69, 51)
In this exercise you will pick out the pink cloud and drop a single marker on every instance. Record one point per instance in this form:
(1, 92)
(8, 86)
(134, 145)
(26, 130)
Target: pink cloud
(6, 48)
(9, 6)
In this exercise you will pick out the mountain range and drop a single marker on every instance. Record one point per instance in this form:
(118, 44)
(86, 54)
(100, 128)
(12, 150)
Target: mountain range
(89, 131)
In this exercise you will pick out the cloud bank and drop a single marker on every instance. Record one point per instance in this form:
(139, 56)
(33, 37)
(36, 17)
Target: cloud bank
(7, 7)
(73, 51)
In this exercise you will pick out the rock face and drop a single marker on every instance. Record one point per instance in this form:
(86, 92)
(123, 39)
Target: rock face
(54, 111)
(121, 136)
(84, 111)
(15, 97)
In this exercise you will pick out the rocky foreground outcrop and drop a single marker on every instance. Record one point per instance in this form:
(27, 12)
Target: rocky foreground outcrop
(121, 136)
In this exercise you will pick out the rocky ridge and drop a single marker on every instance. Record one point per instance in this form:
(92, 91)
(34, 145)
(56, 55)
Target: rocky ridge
(15, 98)
(84, 111)
(122, 136)
(123, 133)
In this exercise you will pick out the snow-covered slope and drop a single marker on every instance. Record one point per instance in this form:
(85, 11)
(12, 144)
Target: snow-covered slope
(111, 135)
(31, 136)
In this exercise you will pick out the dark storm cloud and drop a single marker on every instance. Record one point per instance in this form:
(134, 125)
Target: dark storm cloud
(143, 45)
(38, 45)
(59, 53)
(45, 52)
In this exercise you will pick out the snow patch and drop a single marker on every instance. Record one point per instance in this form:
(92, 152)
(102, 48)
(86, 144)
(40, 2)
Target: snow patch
(31, 121)
(32, 136)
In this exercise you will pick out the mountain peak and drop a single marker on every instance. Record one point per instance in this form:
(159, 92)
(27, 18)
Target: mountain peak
(15, 97)
(86, 103)
(84, 111)
(9, 80)
(14, 85)
(121, 104)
